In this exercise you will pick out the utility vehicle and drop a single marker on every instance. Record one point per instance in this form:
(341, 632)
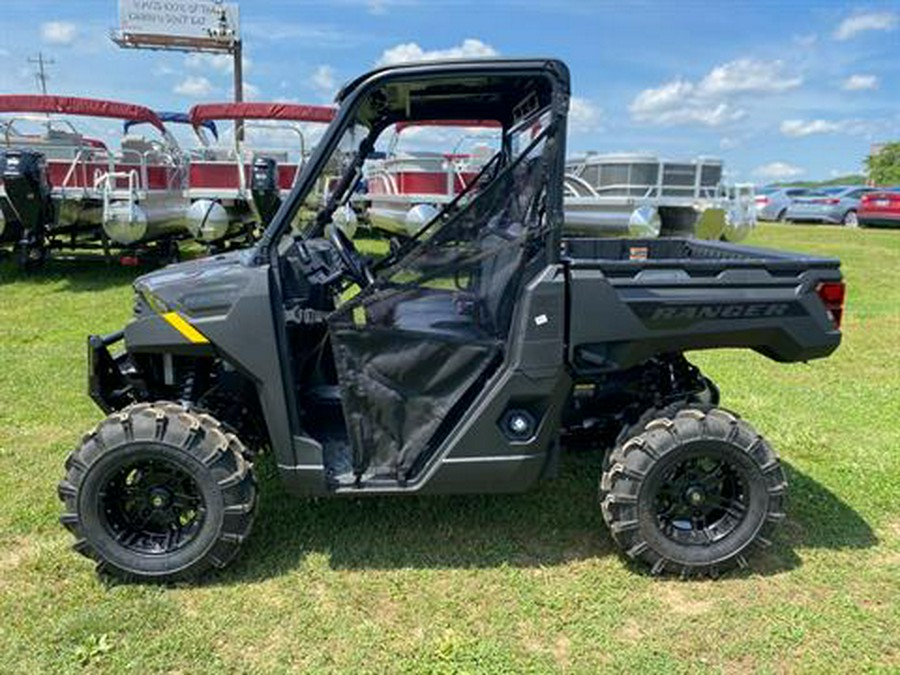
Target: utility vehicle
(455, 364)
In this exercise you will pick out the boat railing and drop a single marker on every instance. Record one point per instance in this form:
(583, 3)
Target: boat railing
(579, 187)
(107, 184)
(388, 178)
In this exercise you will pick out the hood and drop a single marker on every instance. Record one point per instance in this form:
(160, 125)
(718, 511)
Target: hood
(204, 287)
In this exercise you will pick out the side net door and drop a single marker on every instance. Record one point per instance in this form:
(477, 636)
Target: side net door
(414, 349)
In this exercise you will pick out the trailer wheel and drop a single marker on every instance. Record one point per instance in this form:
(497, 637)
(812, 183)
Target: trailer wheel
(157, 493)
(692, 493)
(31, 257)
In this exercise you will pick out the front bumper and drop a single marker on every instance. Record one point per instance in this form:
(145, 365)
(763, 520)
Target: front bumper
(112, 379)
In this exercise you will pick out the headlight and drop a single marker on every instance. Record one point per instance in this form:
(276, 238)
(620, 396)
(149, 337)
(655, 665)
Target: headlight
(146, 302)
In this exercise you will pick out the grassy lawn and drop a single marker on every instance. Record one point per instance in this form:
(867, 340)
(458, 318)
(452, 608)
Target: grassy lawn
(526, 583)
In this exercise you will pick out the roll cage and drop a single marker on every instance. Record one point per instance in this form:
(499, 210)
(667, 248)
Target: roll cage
(508, 91)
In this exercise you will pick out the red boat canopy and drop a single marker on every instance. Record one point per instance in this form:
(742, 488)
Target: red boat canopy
(73, 105)
(490, 124)
(260, 111)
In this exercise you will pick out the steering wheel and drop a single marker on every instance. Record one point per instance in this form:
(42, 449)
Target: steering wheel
(356, 265)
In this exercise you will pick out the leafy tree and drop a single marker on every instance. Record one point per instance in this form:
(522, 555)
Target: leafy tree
(884, 166)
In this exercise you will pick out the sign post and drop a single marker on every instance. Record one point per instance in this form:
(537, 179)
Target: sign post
(209, 26)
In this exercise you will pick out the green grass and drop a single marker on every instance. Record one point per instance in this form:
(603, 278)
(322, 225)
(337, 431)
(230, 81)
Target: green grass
(526, 583)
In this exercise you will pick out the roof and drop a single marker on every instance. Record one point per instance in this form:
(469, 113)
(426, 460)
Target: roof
(458, 66)
(74, 105)
(261, 111)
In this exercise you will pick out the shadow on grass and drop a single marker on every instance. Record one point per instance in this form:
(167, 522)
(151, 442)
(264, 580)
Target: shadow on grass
(79, 274)
(556, 523)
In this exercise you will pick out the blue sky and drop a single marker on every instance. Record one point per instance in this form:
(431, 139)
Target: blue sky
(779, 90)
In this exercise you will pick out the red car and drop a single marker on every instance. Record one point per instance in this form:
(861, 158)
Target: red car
(880, 208)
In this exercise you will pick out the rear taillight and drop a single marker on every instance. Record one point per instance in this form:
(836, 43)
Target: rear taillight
(833, 294)
(826, 201)
(762, 200)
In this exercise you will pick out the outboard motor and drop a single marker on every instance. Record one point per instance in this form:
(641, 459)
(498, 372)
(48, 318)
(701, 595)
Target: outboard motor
(264, 188)
(28, 193)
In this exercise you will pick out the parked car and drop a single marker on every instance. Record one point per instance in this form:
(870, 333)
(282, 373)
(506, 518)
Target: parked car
(880, 208)
(772, 201)
(838, 205)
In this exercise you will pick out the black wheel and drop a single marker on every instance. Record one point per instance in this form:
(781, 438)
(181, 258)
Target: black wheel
(157, 493)
(781, 215)
(693, 492)
(850, 219)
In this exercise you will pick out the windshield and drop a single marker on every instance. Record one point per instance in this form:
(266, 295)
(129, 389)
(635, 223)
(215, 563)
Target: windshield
(342, 164)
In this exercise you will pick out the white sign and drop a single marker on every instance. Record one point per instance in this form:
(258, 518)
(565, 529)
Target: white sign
(179, 18)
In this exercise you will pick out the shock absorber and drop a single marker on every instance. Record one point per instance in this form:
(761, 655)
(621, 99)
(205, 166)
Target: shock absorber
(188, 382)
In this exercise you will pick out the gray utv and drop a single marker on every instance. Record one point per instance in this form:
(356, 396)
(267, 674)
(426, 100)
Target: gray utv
(457, 363)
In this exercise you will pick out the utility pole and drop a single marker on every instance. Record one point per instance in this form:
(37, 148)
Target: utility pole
(41, 74)
(227, 34)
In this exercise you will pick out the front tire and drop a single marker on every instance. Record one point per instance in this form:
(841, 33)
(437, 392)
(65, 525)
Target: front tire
(692, 493)
(850, 219)
(158, 493)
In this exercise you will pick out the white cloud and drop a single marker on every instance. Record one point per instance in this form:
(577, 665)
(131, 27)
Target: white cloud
(323, 81)
(748, 76)
(194, 85)
(806, 41)
(853, 127)
(584, 116)
(709, 101)
(778, 171)
(859, 23)
(860, 82)
(411, 51)
(221, 63)
(59, 32)
(679, 102)
(800, 128)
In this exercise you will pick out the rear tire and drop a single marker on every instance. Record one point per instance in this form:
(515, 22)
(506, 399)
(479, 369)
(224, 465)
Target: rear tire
(850, 219)
(693, 492)
(157, 493)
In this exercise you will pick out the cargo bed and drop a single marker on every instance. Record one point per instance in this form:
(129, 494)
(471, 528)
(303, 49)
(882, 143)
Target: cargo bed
(668, 295)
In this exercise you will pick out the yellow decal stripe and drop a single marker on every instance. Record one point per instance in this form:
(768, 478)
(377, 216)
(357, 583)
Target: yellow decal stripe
(183, 327)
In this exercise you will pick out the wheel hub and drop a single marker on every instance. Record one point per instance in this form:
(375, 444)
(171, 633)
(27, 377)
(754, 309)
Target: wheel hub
(152, 506)
(700, 500)
(695, 496)
(159, 498)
